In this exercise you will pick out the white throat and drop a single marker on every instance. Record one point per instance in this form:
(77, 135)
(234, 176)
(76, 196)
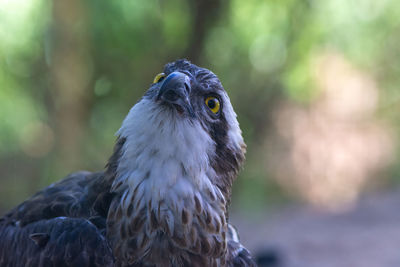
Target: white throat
(165, 158)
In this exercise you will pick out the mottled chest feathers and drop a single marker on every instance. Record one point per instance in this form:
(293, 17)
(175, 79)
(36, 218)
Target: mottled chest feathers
(172, 231)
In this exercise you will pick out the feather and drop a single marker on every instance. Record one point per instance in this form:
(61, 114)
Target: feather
(40, 239)
(60, 245)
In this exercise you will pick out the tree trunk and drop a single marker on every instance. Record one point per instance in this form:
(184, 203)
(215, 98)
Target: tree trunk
(206, 14)
(71, 76)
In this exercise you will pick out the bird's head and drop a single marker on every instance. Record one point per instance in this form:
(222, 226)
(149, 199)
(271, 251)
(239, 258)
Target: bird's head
(192, 92)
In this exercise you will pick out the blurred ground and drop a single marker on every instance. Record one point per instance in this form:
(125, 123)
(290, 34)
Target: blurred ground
(366, 236)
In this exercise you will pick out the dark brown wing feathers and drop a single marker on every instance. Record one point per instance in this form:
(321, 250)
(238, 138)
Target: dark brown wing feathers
(54, 242)
(62, 225)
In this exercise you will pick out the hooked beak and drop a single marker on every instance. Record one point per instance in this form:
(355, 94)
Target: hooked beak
(175, 90)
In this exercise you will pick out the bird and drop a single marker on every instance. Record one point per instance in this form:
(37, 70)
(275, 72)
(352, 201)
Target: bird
(163, 196)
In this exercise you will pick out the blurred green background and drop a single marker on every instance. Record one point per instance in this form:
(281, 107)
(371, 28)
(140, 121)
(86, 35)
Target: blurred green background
(314, 84)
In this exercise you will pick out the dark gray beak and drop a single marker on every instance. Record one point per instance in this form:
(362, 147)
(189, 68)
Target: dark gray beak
(175, 90)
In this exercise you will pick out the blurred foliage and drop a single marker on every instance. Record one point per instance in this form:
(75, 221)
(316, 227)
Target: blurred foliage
(261, 50)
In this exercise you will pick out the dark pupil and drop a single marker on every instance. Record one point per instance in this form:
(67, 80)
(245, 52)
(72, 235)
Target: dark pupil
(211, 103)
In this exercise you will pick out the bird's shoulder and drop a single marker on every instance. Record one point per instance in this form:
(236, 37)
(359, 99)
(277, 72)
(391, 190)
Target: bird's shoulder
(61, 225)
(77, 195)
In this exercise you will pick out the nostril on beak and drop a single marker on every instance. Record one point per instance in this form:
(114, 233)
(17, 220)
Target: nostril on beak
(187, 87)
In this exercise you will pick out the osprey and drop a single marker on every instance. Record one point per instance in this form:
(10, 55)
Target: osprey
(162, 199)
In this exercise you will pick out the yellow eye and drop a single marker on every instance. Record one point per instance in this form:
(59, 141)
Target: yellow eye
(213, 104)
(159, 77)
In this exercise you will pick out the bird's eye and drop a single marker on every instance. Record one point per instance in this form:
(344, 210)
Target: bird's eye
(213, 104)
(159, 77)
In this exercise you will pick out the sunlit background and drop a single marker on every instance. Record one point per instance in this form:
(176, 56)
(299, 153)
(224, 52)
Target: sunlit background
(315, 85)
